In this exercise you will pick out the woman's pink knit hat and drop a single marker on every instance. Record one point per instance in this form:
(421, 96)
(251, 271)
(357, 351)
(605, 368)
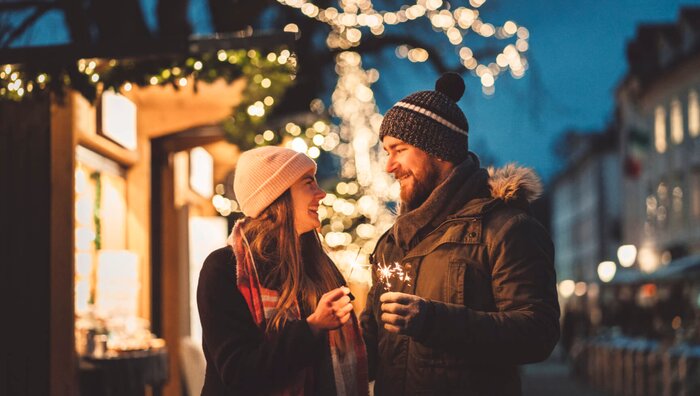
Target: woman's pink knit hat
(265, 173)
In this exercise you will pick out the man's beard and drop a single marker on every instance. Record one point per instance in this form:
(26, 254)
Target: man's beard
(422, 188)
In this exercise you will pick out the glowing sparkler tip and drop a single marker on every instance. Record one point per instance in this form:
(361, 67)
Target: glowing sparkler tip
(386, 272)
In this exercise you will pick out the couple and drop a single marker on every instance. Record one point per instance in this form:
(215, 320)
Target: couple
(277, 317)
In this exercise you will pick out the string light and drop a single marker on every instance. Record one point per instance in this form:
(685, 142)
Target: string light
(18, 82)
(347, 23)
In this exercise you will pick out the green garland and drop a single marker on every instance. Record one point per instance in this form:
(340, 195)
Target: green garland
(267, 83)
(96, 213)
(268, 75)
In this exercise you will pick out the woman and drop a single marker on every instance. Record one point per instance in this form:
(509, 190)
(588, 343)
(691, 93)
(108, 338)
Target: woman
(276, 316)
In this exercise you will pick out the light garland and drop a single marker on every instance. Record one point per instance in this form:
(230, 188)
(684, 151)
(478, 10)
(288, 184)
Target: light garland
(355, 15)
(360, 212)
(88, 76)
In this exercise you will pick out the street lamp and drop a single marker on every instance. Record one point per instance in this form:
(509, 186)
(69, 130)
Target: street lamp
(606, 271)
(648, 259)
(627, 254)
(566, 288)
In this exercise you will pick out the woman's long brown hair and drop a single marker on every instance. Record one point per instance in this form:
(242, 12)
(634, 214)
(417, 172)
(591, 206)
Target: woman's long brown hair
(295, 264)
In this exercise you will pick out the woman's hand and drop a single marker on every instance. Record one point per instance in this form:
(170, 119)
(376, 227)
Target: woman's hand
(333, 310)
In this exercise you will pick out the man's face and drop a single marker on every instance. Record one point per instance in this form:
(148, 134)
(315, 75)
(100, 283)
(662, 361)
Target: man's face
(417, 172)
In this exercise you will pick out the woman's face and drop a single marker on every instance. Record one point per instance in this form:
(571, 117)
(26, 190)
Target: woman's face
(306, 195)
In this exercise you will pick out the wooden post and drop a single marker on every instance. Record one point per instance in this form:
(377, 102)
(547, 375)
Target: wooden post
(36, 154)
(64, 361)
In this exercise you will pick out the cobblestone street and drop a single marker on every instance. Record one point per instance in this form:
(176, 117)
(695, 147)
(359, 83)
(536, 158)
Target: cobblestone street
(551, 378)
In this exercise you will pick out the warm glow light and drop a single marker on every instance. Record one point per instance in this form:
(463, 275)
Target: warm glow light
(660, 129)
(314, 152)
(299, 145)
(693, 114)
(487, 80)
(676, 122)
(627, 255)
(566, 288)
(606, 271)
(119, 119)
(118, 285)
(201, 172)
(580, 288)
(510, 27)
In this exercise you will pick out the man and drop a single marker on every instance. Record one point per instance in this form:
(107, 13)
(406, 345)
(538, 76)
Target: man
(479, 297)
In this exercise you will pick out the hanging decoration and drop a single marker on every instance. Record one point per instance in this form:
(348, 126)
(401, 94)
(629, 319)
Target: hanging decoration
(355, 16)
(268, 79)
(87, 76)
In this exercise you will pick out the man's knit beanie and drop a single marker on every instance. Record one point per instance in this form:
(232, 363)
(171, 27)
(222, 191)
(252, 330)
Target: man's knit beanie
(431, 120)
(265, 173)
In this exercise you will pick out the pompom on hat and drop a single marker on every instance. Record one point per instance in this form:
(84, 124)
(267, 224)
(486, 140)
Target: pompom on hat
(263, 174)
(432, 120)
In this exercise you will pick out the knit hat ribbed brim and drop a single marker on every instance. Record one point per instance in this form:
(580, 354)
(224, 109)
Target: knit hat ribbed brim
(265, 173)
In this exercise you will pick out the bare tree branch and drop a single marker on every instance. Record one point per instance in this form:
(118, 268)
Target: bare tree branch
(76, 20)
(20, 5)
(26, 24)
(377, 44)
(172, 19)
(118, 20)
(233, 15)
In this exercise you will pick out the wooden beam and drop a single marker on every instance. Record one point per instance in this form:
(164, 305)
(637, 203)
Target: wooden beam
(144, 49)
(63, 359)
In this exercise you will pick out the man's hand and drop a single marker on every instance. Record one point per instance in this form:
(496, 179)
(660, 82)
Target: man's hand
(403, 313)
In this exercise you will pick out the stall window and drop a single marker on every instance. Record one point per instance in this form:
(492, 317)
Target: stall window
(100, 200)
(107, 282)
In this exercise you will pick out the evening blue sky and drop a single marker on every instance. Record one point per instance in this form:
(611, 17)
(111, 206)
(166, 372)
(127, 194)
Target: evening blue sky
(577, 59)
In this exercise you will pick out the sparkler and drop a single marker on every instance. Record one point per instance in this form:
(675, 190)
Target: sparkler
(386, 272)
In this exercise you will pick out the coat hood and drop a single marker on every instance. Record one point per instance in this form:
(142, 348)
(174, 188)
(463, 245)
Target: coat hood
(513, 183)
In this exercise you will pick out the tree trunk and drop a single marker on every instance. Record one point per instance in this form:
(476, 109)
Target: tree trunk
(172, 19)
(118, 20)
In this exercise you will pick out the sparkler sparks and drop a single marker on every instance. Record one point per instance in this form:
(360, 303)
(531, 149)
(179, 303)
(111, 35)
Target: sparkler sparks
(386, 272)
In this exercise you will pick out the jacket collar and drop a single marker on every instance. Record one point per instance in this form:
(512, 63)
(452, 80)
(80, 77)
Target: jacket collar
(465, 182)
(467, 192)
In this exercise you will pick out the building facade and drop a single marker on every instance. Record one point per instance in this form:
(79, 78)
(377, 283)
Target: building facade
(585, 205)
(659, 121)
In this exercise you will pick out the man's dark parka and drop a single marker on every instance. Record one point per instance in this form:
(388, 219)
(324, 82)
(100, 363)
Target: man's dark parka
(485, 266)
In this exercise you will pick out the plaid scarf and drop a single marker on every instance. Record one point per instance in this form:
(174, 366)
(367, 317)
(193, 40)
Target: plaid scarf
(348, 354)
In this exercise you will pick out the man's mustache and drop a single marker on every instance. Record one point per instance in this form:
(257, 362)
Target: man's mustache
(401, 174)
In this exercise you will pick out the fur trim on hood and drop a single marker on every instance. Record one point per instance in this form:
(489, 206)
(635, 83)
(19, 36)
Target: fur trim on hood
(513, 183)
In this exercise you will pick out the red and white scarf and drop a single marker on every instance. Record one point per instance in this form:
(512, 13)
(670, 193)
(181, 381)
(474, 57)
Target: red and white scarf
(347, 348)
